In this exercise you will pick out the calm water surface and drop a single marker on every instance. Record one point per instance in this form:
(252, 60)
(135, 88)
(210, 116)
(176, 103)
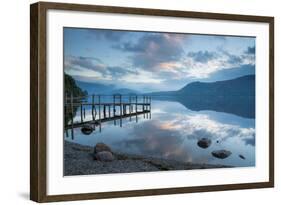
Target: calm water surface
(173, 132)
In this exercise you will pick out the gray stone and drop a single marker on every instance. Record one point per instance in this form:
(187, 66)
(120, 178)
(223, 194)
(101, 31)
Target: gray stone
(241, 156)
(221, 154)
(204, 143)
(104, 156)
(100, 147)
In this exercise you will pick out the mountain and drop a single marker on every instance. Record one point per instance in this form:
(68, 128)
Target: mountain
(242, 86)
(236, 96)
(98, 88)
(232, 73)
(125, 91)
(95, 87)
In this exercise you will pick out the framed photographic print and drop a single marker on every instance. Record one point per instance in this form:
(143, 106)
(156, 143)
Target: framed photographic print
(134, 102)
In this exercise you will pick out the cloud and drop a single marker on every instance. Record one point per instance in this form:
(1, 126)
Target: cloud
(203, 56)
(250, 55)
(250, 141)
(251, 50)
(202, 64)
(88, 68)
(71, 62)
(164, 54)
(176, 136)
(232, 59)
(158, 142)
(111, 35)
(118, 71)
(152, 58)
(129, 47)
(152, 50)
(201, 125)
(141, 77)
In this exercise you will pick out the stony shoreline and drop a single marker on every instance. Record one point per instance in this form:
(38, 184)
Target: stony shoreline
(79, 160)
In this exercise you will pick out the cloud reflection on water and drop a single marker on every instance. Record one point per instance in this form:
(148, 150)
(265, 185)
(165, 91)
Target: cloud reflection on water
(175, 136)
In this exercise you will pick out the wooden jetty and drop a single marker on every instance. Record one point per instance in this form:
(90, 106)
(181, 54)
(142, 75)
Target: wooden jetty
(105, 108)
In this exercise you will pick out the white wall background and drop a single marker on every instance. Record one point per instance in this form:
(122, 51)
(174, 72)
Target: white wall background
(14, 87)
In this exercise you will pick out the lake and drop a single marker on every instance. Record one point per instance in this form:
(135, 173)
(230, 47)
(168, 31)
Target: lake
(173, 132)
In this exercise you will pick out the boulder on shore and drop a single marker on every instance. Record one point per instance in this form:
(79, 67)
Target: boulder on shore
(221, 154)
(204, 143)
(100, 147)
(104, 156)
(102, 152)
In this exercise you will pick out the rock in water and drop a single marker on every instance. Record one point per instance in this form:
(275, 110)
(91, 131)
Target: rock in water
(87, 129)
(100, 147)
(204, 143)
(104, 156)
(221, 154)
(241, 156)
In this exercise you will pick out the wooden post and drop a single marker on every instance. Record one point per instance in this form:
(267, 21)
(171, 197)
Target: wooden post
(65, 113)
(93, 104)
(99, 114)
(81, 111)
(150, 107)
(114, 109)
(121, 111)
(143, 101)
(84, 112)
(144, 98)
(125, 109)
(71, 104)
(136, 108)
(147, 105)
(104, 111)
(130, 107)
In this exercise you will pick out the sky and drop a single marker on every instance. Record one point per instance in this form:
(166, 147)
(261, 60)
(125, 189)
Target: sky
(152, 61)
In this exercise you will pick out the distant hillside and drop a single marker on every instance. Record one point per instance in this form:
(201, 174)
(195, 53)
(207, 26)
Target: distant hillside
(95, 87)
(242, 86)
(125, 91)
(98, 88)
(235, 96)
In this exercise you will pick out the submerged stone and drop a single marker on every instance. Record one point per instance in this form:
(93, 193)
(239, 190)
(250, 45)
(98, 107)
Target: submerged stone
(241, 156)
(204, 143)
(221, 154)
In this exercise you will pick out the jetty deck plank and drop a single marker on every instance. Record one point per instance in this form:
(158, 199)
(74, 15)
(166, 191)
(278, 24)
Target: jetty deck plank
(108, 109)
(107, 104)
(107, 119)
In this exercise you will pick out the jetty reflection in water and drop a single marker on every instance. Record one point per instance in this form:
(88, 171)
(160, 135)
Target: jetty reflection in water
(173, 133)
